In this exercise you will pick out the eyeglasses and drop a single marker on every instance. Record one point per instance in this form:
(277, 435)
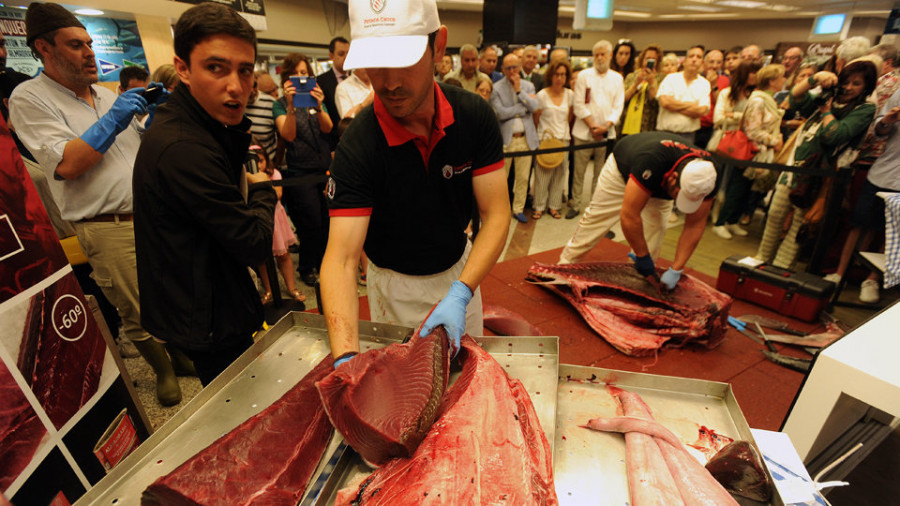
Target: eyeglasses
(512, 67)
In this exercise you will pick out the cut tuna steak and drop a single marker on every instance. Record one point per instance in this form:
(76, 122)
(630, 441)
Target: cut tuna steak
(486, 447)
(630, 313)
(384, 401)
(267, 460)
(739, 468)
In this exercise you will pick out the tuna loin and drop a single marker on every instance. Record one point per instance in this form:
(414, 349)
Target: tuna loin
(21, 430)
(630, 313)
(267, 460)
(384, 401)
(486, 447)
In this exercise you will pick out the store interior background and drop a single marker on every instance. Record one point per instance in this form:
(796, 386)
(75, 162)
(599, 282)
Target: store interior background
(307, 26)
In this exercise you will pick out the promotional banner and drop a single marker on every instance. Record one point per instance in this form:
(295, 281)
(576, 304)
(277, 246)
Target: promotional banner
(117, 44)
(59, 383)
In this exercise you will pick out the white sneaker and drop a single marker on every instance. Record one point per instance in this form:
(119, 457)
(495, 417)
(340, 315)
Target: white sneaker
(868, 291)
(737, 230)
(722, 232)
(834, 278)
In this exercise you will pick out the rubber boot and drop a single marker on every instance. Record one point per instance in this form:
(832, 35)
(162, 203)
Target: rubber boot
(180, 362)
(167, 390)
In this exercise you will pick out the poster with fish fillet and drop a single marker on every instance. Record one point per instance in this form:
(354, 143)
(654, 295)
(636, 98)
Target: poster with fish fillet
(29, 248)
(54, 362)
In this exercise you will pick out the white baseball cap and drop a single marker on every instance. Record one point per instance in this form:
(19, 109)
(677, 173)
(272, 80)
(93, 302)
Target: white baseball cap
(389, 33)
(698, 178)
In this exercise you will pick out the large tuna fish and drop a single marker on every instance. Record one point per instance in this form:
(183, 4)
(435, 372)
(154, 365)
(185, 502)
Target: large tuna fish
(630, 312)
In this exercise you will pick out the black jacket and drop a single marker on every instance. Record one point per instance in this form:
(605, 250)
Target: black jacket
(194, 234)
(328, 82)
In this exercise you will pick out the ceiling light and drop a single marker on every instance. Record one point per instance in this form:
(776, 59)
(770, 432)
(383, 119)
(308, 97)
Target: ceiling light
(632, 14)
(700, 8)
(672, 16)
(89, 12)
(745, 4)
(780, 8)
(871, 13)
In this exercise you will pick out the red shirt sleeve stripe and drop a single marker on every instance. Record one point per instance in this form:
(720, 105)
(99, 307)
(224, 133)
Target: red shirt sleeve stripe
(490, 168)
(359, 211)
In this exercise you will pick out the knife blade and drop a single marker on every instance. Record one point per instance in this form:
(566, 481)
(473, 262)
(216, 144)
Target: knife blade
(771, 323)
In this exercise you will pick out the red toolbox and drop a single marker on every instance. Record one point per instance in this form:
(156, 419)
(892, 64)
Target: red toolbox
(793, 294)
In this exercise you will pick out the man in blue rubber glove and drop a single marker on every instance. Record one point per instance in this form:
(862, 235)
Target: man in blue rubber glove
(86, 139)
(636, 186)
(405, 178)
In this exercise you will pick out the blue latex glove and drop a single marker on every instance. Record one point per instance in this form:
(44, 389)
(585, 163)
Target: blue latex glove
(151, 108)
(670, 278)
(343, 360)
(102, 134)
(451, 313)
(643, 265)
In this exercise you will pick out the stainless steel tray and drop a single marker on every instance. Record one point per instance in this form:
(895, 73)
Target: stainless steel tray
(589, 466)
(532, 360)
(276, 362)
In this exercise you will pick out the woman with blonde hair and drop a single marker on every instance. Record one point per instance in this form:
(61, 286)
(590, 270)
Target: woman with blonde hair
(166, 75)
(641, 107)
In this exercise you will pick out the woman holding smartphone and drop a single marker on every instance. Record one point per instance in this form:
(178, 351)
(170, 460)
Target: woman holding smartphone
(640, 93)
(308, 155)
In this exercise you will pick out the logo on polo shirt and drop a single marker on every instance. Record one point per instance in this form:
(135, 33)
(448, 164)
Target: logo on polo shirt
(646, 174)
(329, 189)
(377, 5)
(450, 171)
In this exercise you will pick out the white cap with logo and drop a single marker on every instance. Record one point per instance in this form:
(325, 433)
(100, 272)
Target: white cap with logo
(389, 33)
(698, 178)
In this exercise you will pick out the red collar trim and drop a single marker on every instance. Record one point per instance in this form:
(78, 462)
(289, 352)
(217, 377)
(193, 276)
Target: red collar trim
(397, 134)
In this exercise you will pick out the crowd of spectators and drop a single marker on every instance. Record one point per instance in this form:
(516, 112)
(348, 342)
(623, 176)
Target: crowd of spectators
(795, 112)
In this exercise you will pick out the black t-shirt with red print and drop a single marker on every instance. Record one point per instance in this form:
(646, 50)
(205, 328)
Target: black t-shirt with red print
(416, 191)
(649, 157)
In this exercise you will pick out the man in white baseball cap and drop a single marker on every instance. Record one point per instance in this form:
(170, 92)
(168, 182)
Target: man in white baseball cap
(637, 185)
(405, 178)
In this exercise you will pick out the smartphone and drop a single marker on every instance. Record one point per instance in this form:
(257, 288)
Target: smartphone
(152, 94)
(302, 88)
(651, 63)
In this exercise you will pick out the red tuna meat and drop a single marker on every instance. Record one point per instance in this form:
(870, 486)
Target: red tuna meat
(63, 374)
(630, 313)
(267, 460)
(21, 430)
(504, 322)
(486, 447)
(384, 401)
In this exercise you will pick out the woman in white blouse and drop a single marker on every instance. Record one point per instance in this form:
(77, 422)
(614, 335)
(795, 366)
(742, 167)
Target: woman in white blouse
(554, 116)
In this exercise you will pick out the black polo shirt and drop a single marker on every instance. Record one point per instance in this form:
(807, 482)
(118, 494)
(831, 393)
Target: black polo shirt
(647, 158)
(417, 192)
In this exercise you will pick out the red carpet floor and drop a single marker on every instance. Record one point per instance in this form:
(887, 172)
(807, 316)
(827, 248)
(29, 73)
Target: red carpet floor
(763, 389)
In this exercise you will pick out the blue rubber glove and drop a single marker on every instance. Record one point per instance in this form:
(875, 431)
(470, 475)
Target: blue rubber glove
(102, 134)
(670, 278)
(451, 313)
(344, 359)
(151, 109)
(643, 265)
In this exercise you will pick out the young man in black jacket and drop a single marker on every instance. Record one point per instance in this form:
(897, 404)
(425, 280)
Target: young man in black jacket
(195, 230)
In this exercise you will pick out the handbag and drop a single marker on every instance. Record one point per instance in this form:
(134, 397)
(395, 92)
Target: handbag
(737, 145)
(806, 191)
(550, 161)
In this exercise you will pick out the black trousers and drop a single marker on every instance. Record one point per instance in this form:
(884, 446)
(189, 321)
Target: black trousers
(306, 205)
(210, 364)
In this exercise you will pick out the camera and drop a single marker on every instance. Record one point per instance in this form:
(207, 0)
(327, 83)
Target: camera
(651, 62)
(826, 95)
(251, 162)
(152, 94)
